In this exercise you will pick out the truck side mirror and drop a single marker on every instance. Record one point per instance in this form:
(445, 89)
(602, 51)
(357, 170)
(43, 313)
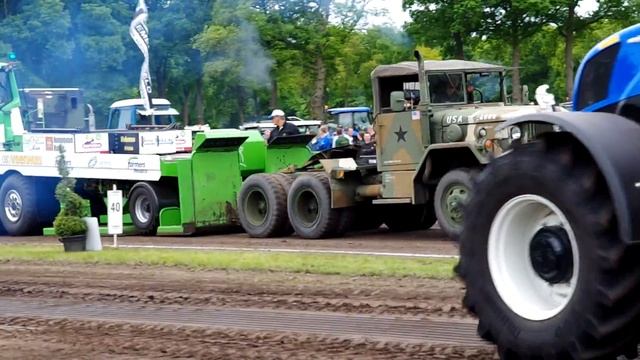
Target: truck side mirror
(397, 101)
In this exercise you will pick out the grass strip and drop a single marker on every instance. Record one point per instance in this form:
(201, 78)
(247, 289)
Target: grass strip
(327, 264)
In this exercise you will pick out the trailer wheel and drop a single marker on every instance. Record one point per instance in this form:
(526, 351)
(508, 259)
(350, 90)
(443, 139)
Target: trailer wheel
(262, 206)
(19, 215)
(545, 271)
(399, 218)
(450, 197)
(145, 202)
(309, 205)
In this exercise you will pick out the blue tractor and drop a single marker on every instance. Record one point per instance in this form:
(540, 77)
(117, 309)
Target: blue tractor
(551, 251)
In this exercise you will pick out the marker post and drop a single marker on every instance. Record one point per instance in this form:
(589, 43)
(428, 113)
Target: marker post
(114, 214)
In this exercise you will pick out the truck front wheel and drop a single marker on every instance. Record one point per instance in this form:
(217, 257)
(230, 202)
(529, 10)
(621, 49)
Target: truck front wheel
(145, 201)
(19, 215)
(546, 273)
(450, 197)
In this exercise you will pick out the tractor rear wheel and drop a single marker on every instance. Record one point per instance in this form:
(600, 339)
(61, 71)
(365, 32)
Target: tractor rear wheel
(262, 206)
(545, 271)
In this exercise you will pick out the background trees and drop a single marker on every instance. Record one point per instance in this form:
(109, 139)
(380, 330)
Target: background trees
(224, 62)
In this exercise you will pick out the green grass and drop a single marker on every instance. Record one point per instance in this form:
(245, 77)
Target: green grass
(348, 265)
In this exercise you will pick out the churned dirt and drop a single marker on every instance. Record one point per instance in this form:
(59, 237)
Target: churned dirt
(79, 338)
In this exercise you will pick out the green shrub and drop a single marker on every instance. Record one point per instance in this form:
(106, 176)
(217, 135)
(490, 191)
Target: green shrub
(69, 226)
(69, 221)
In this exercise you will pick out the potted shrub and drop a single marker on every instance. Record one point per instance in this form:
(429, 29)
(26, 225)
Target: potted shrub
(69, 225)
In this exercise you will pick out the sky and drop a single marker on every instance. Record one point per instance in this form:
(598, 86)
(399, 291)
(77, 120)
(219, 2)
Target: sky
(396, 17)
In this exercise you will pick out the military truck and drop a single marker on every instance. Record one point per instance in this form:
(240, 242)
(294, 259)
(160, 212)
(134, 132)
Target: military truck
(551, 245)
(435, 127)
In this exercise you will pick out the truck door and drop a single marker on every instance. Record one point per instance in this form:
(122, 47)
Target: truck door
(399, 140)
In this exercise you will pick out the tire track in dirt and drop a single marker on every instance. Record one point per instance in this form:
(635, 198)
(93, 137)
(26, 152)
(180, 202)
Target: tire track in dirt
(161, 286)
(64, 338)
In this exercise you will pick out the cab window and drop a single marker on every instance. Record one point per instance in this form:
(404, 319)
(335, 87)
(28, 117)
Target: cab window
(446, 88)
(594, 84)
(5, 88)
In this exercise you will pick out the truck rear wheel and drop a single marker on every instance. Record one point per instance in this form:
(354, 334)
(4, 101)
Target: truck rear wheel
(19, 215)
(450, 197)
(145, 202)
(546, 273)
(262, 206)
(309, 206)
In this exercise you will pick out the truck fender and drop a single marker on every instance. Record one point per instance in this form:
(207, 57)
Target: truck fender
(613, 142)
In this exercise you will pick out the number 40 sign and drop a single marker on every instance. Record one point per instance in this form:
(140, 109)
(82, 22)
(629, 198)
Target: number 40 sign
(114, 212)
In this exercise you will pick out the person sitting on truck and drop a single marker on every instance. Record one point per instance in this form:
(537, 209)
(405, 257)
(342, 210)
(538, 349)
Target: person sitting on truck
(322, 141)
(341, 139)
(283, 127)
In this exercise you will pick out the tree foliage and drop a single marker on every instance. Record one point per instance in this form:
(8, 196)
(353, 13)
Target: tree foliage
(223, 62)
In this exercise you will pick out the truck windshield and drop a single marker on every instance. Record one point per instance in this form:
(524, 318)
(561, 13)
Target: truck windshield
(446, 88)
(484, 87)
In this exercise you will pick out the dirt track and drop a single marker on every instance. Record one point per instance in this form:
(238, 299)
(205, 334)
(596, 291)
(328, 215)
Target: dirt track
(420, 242)
(410, 299)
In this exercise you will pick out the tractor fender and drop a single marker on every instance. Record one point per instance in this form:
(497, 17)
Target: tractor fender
(614, 143)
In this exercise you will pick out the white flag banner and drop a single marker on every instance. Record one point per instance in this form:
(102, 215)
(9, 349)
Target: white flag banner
(140, 34)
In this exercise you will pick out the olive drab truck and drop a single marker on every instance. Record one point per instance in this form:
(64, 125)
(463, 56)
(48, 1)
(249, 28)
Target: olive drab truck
(550, 249)
(435, 126)
(175, 181)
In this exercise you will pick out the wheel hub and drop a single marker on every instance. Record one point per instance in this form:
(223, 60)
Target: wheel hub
(456, 196)
(256, 207)
(143, 209)
(308, 208)
(13, 206)
(551, 255)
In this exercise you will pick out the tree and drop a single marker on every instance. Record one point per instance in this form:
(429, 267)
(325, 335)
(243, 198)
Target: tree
(513, 22)
(570, 23)
(447, 24)
(233, 56)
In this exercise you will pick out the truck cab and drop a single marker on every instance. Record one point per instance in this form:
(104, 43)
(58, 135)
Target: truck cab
(55, 108)
(131, 112)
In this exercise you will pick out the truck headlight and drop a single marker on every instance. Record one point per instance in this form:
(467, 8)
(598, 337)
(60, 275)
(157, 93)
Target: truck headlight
(515, 133)
(482, 132)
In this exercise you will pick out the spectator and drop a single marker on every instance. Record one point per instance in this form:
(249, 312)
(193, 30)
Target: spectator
(322, 141)
(341, 139)
(355, 136)
(369, 147)
(283, 127)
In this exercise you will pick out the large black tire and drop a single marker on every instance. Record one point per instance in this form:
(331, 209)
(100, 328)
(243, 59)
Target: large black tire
(19, 213)
(262, 206)
(309, 206)
(600, 316)
(449, 199)
(286, 180)
(400, 218)
(145, 202)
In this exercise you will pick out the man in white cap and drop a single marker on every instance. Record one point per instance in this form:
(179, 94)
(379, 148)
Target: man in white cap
(283, 127)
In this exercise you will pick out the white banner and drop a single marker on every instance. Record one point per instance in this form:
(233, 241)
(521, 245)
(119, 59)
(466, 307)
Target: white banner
(140, 34)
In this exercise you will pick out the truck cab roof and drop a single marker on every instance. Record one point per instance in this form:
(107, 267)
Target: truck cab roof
(139, 102)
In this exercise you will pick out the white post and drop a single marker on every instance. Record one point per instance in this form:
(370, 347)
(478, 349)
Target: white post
(114, 214)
